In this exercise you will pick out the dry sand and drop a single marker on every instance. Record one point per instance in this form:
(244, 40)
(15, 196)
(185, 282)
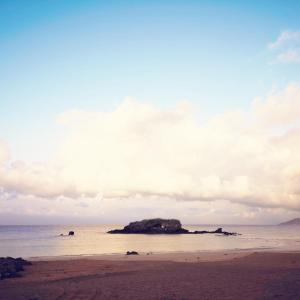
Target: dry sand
(218, 275)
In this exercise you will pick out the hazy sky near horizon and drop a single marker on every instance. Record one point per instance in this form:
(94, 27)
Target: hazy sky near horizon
(119, 110)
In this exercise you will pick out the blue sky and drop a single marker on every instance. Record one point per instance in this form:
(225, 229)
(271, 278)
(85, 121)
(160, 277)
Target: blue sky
(61, 55)
(119, 159)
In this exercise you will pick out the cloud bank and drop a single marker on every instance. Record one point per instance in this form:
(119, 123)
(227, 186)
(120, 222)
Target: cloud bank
(245, 157)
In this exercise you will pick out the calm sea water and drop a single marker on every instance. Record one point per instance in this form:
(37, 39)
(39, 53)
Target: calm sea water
(32, 241)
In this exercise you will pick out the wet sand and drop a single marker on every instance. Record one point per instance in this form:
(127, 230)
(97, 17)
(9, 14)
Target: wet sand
(219, 275)
(198, 256)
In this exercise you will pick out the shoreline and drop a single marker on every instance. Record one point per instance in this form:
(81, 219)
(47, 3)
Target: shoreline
(175, 256)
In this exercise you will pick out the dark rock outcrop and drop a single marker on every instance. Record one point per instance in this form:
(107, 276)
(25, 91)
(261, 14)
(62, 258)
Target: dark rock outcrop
(71, 233)
(132, 253)
(162, 226)
(9, 267)
(220, 230)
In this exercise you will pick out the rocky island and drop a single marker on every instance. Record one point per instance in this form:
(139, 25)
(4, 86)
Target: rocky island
(162, 226)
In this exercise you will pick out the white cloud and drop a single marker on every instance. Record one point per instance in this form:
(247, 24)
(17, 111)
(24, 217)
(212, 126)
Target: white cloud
(287, 47)
(279, 108)
(286, 37)
(35, 179)
(139, 150)
(290, 56)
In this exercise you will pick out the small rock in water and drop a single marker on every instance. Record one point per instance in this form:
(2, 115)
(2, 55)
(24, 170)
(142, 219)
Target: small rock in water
(132, 253)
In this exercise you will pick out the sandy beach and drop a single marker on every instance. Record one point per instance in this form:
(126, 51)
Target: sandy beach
(210, 275)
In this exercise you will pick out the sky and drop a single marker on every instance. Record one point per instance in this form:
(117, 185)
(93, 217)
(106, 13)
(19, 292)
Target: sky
(112, 111)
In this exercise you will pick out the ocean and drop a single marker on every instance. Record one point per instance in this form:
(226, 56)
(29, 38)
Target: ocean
(39, 241)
